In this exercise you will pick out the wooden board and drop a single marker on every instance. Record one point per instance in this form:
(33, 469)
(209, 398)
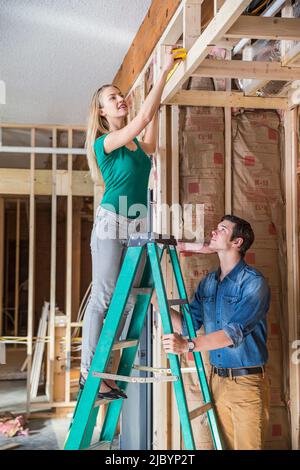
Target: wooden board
(150, 31)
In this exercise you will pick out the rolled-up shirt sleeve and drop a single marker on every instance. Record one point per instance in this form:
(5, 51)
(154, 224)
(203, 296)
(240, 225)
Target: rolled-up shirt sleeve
(249, 311)
(196, 311)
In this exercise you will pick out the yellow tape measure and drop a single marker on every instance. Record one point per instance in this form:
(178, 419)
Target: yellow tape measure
(179, 53)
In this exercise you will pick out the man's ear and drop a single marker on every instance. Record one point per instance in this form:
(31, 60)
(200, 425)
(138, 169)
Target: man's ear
(238, 242)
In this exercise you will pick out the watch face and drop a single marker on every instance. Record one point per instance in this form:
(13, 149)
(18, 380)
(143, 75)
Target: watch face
(191, 346)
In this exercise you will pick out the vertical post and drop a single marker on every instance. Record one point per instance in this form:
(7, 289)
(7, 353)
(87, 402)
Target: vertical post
(30, 322)
(228, 150)
(160, 428)
(17, 269)
(175, 434)
(2, 219)
(69, 271)
(191, 22)
(161, 170)
(292, 227)
(51, 324)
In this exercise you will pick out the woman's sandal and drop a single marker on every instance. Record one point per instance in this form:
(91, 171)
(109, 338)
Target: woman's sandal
(111, 395)
(118, 391)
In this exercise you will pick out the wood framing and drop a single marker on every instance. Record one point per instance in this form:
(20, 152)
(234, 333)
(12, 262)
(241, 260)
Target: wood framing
(1, 261)
(228, 148)
(258, 27)
(292, 240)
(51, 323)
(224, 30)
(144, 42)
(69, 263)
(216, 29)
(19, 180)
(226, 98)
(17, 267)
(31, 278)
(246, 69)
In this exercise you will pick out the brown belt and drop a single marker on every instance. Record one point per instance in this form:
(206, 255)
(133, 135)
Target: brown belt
(223, 372)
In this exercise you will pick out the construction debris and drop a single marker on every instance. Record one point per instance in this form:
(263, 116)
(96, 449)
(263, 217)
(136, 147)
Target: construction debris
(11, 425)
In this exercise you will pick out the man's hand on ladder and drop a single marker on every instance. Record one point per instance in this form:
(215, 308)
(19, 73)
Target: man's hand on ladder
(175, 344)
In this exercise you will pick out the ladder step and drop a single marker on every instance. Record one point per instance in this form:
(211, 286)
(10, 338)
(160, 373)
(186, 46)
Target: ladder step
(177, 302)
(158, 370)
(141, 290)
(200, 411)
(126, 378)
(125, 344)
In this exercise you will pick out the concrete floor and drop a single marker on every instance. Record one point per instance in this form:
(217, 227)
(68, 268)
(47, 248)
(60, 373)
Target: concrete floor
(44, 434)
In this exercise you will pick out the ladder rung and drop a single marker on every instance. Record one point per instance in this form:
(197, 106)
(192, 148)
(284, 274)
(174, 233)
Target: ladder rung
(141, 290)
(200, 411)
(125, 344)
(178, 302)
(157, 370)
(125, 378)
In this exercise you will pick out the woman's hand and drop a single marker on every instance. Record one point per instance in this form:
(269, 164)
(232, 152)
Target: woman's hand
(202, 248)
(169, 61)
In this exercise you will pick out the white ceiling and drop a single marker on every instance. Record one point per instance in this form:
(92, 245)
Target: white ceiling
(55, 53)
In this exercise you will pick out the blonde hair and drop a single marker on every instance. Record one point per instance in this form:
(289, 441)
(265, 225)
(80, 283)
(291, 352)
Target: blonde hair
(97, 125)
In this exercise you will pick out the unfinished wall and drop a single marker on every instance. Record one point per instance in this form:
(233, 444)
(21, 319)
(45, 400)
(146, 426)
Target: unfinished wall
(201, 137)
(258, 197)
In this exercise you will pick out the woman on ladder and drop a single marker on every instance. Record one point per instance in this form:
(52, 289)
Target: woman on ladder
(113, 148)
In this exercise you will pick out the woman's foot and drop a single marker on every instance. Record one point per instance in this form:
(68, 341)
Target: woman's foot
(106, 391)
(111, 384)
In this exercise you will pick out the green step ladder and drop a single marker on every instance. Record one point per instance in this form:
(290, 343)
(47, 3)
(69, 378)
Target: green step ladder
(85, 414)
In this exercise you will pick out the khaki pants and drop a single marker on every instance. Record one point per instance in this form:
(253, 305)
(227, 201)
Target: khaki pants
(242, 407)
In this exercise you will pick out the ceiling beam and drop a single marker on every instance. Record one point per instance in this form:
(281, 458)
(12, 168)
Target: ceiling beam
(158, 16)
(246, 69)
(226, 98)
(161, 21)
(215, 30)
(258, 27)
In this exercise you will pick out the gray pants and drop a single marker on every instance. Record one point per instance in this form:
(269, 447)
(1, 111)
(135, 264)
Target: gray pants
(108, 247)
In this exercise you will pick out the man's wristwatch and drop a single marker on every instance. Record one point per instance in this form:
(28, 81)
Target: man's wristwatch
(191, 346)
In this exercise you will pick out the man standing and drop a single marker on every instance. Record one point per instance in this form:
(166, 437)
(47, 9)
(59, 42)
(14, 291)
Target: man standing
(231, 303)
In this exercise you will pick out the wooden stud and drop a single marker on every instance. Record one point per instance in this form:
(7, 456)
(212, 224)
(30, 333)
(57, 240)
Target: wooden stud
(228, 149)
(30, 321)
(191, 22)
(51, 324)
(2, 219)
(69, 271)
(17, 268)
(292, 241)
(76, 243)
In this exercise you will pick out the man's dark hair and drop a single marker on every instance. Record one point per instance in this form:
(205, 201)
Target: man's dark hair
(242, 229)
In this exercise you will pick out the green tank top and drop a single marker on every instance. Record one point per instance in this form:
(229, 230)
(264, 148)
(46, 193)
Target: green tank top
(125, 173)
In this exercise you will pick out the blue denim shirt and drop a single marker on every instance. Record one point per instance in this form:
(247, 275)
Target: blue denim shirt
(238, 305)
